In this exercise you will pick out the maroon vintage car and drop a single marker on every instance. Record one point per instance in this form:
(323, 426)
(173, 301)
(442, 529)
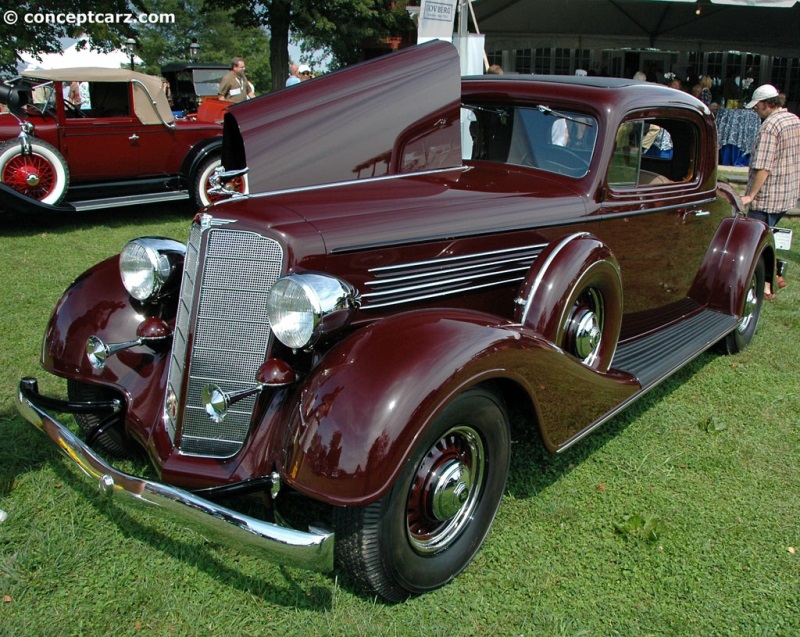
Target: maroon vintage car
(89, 138)
(364, 331)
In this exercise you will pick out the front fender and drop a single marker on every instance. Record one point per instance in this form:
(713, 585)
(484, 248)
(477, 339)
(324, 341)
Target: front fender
(371, 397)
(364, 407)
(17, 203)
(97, 304)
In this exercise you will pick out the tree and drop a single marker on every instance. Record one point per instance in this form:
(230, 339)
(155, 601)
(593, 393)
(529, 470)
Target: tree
(28, 28)
(340, 26)
(216, 31)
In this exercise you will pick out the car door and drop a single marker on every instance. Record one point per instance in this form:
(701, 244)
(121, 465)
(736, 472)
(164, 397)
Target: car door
(101, 141)
(658, 213)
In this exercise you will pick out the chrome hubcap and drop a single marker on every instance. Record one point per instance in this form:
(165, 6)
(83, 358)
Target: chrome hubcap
(445, 491)
(451, 490)
(583, 333)
(750, 306)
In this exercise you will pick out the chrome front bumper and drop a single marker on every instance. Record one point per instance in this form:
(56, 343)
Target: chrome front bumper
(309, 550)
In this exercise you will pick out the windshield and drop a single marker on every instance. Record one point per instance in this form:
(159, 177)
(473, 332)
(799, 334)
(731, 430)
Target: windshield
(556, 140)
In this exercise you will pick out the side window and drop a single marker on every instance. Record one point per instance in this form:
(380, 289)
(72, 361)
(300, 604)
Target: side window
(107, 99)
(653, 152)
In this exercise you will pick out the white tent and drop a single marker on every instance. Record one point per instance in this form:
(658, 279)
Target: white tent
(72, 57)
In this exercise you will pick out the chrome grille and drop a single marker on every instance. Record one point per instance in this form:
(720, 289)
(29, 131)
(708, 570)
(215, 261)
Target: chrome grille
(425, 280)
(228, 329)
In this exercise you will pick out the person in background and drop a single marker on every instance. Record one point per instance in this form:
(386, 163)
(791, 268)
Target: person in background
(773, 185)
(293, 78)
(640, 76)
(234, 85)
(494, 69)
(705, 90)
(304, 72)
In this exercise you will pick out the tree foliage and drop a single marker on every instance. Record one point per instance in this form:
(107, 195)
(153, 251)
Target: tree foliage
(339, 27)
(42, 35)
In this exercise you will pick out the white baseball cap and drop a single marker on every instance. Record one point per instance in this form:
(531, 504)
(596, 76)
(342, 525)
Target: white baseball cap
(763, 92)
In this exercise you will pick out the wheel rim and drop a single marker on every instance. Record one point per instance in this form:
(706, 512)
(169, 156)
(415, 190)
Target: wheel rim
(32, 175)
(750, 306)
(584, 328)
(445, 490)
(235, 185)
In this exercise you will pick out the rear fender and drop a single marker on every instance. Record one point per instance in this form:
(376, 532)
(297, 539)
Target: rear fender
(199, 153)
(724, 277)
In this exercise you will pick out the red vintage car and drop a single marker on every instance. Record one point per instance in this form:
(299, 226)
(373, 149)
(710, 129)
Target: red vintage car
(428, 259)
(84, 138)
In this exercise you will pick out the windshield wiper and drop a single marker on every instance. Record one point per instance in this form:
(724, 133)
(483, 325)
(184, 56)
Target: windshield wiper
(549, 111)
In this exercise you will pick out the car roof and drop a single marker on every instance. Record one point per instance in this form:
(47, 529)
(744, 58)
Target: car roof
(150, 103)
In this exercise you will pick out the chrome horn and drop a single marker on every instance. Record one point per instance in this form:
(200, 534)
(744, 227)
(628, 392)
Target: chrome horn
(272, 373)
(151, 332)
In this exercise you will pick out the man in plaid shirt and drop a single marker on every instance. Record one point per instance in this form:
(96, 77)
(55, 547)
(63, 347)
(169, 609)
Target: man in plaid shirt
(773, 185)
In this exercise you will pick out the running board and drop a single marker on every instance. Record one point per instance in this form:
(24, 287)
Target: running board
(130, 200)
(652, 358)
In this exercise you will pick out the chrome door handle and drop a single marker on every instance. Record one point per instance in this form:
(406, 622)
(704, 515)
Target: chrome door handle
(134, 137)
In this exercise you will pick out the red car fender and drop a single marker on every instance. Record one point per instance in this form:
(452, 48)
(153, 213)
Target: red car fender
(138, 372)
(355, 425)
(558, 277)
(724, 277)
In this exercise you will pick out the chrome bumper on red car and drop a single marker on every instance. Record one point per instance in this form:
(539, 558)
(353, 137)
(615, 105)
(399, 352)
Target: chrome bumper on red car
(309, 550)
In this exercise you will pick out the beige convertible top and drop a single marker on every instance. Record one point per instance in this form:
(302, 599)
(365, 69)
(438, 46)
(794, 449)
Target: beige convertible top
(148, 94)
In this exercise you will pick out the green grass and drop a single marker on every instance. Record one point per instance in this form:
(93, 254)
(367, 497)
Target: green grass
(679, 517)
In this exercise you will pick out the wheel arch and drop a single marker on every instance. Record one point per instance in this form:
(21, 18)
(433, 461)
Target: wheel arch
(561, 273)
(198, 154)
(723, 278)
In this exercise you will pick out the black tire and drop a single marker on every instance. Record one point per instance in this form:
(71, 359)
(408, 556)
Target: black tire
(200, 183)
(109, 436)
(42, 174)
(428, 528)
(740, 338)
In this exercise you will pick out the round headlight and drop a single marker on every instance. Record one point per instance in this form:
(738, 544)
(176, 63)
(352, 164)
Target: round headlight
(146, 265)
(302, 307)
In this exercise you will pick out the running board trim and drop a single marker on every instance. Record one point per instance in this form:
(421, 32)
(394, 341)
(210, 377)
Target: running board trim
(131, 200)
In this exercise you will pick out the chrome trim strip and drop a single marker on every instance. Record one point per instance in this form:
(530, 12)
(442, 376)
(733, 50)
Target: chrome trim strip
(543, 270)
(441, 282)
(334, 184)
(425, 297)
(309, 550)
(461, 257)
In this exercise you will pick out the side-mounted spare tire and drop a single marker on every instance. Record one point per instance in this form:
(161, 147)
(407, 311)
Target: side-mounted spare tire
(40, 174)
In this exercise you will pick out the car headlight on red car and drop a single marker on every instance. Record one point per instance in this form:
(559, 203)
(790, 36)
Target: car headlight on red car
(303, 308)
(150, 267)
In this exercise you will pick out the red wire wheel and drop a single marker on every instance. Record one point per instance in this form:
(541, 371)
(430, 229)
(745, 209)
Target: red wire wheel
(41, 174)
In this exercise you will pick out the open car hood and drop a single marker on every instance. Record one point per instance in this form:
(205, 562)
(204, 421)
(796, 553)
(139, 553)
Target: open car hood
(392, 115)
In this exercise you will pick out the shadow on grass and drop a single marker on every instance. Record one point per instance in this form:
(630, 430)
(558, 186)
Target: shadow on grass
(200, 554)
(534, 469)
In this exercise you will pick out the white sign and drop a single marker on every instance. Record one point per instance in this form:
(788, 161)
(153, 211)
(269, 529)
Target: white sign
(436, 19)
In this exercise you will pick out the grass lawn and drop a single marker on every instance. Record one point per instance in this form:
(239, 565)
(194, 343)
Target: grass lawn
(680, 517)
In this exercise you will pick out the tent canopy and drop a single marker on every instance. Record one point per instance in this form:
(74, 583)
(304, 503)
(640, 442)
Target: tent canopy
(769, 27)
(72, 56)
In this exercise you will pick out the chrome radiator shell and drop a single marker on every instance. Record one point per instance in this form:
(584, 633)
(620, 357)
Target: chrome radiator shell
(222, 334)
